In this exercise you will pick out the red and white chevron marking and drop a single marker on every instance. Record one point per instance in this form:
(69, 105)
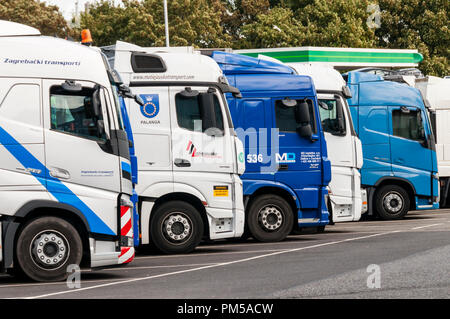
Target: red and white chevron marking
(126, 223)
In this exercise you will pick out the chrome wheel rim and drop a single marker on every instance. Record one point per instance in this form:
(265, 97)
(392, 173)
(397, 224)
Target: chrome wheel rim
(177, 227)
(270, 217)
(393, 202)
(49, 249)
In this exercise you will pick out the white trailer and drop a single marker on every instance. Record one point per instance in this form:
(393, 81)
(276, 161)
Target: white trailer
(189, 157)
(64, 159)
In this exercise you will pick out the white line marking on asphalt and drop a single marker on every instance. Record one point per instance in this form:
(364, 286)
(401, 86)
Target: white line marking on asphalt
(211, 254)
(210, 266)
(425, 226)
(162, 266)
(51, 284)
(102, 280)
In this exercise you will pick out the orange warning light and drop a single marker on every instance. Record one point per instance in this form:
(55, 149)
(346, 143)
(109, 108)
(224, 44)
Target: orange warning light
(86, 36)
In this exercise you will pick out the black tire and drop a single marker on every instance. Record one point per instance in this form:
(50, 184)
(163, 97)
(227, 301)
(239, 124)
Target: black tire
(392, 202)
(62, 248)
(258, 222)
(320, 229)
(163, 218)
(330, 211)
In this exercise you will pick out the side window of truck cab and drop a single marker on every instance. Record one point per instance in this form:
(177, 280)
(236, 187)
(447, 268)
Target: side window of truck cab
(407, 123)
(286, 119)
(77, 113)
(191, 114)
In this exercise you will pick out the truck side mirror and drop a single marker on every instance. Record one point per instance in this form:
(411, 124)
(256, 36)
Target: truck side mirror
(96, 101)
(340, 116)
(208, 114)
(188, 92)
(346, 92)
(71, 86)
(305, 130)
(303, 119)
(96, 105)
(139, 100)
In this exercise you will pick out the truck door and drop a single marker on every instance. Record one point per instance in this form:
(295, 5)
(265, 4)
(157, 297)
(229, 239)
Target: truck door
(196, 147)
(82, 169)
(152, 135)
(374, 134)
(411, 159)
(251, 117)
(202, 147)
(21, 139)
(341, 152)
(298, 158)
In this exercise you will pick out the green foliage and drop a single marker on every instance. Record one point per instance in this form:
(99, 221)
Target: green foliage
(276, 28)
(130, 23)
(418, 24)
(41, 16)
(414, 24)
(192, 22)
(337, 23)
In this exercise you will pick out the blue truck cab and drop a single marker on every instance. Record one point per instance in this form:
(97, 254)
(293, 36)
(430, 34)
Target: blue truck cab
(287, 167)
(400, 168)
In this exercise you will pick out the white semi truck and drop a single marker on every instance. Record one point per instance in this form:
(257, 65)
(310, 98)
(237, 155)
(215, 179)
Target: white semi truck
(436, 91)
(347, 199)
(189, 157)
(65, 184)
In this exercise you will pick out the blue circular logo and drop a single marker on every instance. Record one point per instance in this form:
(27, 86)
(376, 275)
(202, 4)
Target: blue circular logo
(149, 109)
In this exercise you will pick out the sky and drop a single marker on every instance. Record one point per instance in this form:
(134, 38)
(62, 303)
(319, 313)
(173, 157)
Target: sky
(67, 7)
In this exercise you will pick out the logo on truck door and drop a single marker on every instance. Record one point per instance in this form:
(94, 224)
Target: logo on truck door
(151, 107)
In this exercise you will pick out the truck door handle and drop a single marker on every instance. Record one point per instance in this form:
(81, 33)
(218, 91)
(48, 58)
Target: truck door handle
(399, 160)
(179, 162)
(59, 173)
(283, 167)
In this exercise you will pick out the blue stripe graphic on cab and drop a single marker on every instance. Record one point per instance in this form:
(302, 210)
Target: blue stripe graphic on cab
(64, 195)
(126, 167)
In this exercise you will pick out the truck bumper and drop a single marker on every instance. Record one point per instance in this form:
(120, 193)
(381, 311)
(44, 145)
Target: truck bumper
(225, 223)
(315, 217)
(104, 253)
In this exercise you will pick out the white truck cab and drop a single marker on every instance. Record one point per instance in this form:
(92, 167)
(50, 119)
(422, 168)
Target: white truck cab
(64, 162)
(347, 199)
(189, 157)
(436, 91)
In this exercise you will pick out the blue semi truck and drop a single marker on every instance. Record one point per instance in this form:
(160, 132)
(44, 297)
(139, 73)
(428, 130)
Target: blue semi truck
(287, 167)
(400, 169)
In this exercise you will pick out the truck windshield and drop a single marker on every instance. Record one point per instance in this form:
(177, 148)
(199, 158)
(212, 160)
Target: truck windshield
(329, 116)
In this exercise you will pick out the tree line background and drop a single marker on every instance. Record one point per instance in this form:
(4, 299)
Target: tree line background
(243, 24)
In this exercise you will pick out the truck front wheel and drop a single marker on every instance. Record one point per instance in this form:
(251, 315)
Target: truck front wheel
(176, 228)
(392, 202)
(269, 218)
(46, 246)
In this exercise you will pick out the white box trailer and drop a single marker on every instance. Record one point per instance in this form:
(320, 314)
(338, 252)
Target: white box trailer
(189, 157)
(64, 158)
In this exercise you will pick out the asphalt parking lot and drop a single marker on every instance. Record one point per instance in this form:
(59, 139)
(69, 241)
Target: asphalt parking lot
(408, 258)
